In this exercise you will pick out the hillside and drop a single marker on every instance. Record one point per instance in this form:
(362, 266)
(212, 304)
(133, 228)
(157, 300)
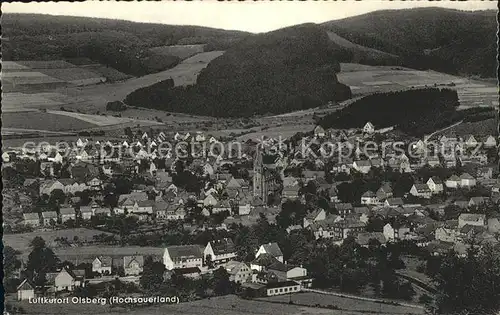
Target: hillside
(451, 41)
(123, 45)
(262, 74)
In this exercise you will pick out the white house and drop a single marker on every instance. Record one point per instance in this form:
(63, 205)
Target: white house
(421, 191)
(466, 180)
(362, 166)
(453, 182)
(369, 198)
(369, 128)
(220, 251)
(435, 184)
(26, 290)
(182, 256)
(471, 219)
(102, 265)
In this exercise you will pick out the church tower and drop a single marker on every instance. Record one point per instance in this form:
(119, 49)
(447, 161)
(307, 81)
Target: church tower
(258, 174)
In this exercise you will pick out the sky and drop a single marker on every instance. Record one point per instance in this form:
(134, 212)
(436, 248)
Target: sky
(255, 16)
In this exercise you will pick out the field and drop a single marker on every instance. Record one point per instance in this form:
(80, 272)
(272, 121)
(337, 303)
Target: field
(181, 51)
(42, 121)
(101, 120)
(225, 305)
(21, 242)
(313, 299)
(363, 79)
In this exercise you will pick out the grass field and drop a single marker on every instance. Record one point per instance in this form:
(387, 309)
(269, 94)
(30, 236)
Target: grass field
(42, 121)
(363, 79)
(225, 305)
(313, 299)
(22, 241)
(102, 120)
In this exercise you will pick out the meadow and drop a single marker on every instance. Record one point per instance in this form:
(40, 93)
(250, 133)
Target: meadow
(21, 242)
(181, 51)
(42, 121)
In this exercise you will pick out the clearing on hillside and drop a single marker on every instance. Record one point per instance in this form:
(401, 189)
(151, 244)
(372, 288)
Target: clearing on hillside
(181, 51)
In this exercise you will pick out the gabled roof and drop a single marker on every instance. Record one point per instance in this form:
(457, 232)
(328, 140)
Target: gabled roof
(279, 266)
(180, 251)
(472, 217)
(49, 214)
(422, 188)
(273, 249)
(223, 246)
(31, 216)
(396, 201)
(436, 180)
(127, 260)
(466, 176)
(365, 237)
(66, 211)
(106, 261)
(264, 260)
(368, 194)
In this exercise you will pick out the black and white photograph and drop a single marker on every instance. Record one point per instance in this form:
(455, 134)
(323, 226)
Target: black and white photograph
(250, 158)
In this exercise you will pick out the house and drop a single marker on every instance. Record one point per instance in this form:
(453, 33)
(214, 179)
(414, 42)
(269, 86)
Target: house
(95, 184)
(102, 265)
(421, 191)
(485, 172)
(182, 256)
(490, 142)
(344, 208)
(395, 233)
(446, 234)
(220, 251)
(239, 272)
(471, 219)
(365, 238)
(31, 219)
(476, 201)
(272, 249)
(280, 288)
(67, 214)
(453, 182)
(319, 132)
(470, 141)
(435, 184)
(48, 186)
(66, 279)
(290, 192)
(384, 192)
(316, 215)
(362, 166)
(369, 128)
(86, 212)
(394, 202)
(287, 272)
(26, 290)
(466, 180)
(369, 198)
(48, 217)
(133, 265)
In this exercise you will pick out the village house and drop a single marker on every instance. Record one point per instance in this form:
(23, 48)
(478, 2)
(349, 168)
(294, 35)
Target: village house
(272, 249)
(287, 272)
(384, 192)
(26, 290)
(220, 251)
(86, 212)
(102, 265)
(49, 217)
(48, 186)
(319, 132)
(133, 265)
(67, 214)
(344, 208)
(490, 142)
(364, 238)
(394, 202)
(239, 272)
(362, 166)
(369, 198)
(447, 233)
(182, 256)
(435, 185)
(467, 181)
(421, 191)
(471, 219)
(395, 233)
(31, 219)
(280, 288)
(476, 201)
(314, 216)
(66, 279)
(95, 184)
(433, 161)
(453, 182)
(368, 128)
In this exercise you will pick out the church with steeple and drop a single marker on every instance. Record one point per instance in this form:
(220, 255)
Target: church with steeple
(266, 176)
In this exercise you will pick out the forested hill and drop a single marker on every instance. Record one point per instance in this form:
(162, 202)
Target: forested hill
(276, 72)
(452, 41)
(123, 45)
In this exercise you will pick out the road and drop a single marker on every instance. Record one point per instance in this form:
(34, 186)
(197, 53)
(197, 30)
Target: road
(445, 128)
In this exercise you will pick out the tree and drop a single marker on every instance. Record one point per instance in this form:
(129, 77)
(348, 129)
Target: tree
(41, 260)
(221, 283)
(152, 274)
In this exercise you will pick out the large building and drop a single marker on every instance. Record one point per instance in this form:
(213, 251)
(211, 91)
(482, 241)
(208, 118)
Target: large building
(265, 175)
